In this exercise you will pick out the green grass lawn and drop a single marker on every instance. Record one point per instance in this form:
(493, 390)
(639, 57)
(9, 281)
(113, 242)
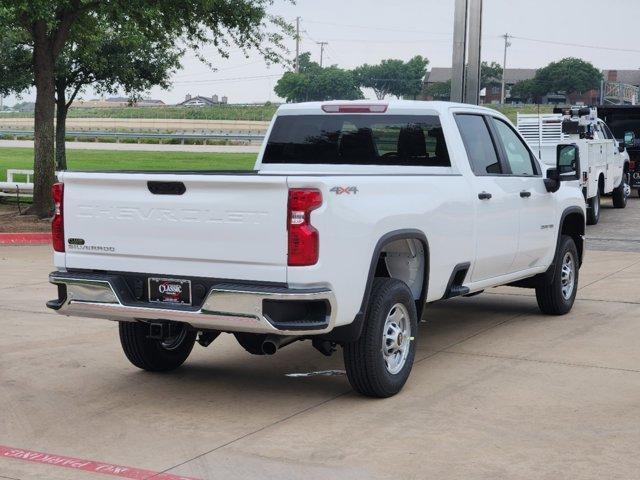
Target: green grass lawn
(22, 158)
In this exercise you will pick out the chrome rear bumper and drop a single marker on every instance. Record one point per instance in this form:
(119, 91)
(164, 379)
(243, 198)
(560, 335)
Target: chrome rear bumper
(226, 307)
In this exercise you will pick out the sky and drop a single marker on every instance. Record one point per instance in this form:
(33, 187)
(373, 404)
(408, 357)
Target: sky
(368, 31)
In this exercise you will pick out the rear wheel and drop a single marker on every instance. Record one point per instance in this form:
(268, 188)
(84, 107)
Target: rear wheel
(379, 362)
(152, 354)
(593, 209)
(620, 193)
(557, 297)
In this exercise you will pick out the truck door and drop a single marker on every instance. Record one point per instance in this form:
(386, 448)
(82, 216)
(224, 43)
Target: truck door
(537, 231)
(496, 197)
(614, 158)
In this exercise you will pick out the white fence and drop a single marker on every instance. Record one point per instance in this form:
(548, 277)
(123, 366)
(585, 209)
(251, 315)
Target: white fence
(11, 188)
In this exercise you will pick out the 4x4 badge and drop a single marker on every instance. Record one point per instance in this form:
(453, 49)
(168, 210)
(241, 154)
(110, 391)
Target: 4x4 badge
(347, 190)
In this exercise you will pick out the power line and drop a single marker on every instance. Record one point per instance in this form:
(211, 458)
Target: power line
(235, 79)
(579, 45)
(234, 67)
(376, 28)
(367, 40)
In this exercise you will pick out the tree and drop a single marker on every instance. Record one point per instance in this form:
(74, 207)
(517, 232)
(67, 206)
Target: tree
(490, 74)
(15, 63)
(47, 26)
(109, 60)
(393, 77)
(438, 90)
(315, 83)
(568, 75)
(527, 90)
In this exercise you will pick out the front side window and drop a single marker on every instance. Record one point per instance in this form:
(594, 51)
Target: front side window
(517, 153)
(338, 139)
(478, 144)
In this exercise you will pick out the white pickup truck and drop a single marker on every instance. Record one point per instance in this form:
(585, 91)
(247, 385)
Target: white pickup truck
(604, 161)
(356, 216)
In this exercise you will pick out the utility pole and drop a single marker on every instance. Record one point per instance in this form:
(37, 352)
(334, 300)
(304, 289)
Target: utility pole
(322, 44)
(472, 80)
(467, 33)
(297, 44)
(459, 51)
(507, 44)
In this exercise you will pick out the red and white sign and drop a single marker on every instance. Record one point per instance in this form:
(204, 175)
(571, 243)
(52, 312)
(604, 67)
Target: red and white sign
(86, 465)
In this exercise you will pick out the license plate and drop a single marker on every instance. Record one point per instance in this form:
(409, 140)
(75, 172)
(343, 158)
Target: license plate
(170, 290)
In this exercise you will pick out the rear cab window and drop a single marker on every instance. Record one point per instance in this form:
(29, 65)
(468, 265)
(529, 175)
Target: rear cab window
(357, 139)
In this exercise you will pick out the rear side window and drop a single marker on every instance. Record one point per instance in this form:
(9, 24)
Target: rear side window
(479, 145)
(410, 140)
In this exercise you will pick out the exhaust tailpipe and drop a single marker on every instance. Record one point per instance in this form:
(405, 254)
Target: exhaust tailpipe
(273, 343)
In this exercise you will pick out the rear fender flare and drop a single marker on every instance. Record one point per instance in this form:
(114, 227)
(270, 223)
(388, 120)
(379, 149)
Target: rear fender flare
(352, 331)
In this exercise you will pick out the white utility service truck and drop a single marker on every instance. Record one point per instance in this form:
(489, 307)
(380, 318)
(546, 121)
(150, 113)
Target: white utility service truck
(604, 161)
(356, 216)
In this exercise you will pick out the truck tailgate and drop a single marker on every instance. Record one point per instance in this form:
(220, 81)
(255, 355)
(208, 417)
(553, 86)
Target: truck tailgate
(223, 226)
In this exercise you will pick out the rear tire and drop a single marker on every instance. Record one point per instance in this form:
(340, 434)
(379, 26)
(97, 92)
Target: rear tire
(151, 354)
(557, 297)
(593, 209)
(620, 193)
(379, 362)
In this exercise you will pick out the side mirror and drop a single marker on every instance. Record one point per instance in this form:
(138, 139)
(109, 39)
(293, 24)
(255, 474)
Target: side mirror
(629, 139)
(568, 162)
(621, 148)
(552, 182)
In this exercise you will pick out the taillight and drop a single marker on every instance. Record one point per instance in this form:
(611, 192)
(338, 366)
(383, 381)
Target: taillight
(57, 225)
(303, 238)
(632, 165)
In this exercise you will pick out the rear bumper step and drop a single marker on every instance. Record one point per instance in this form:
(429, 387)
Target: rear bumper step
(226, 307)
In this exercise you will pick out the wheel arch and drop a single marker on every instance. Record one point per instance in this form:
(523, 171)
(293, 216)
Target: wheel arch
(352, 331)
(572, 223)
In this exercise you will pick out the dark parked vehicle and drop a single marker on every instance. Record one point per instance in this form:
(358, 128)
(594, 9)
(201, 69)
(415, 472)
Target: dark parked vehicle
(624, 122)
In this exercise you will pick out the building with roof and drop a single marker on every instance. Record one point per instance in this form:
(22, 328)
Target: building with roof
(200, 101)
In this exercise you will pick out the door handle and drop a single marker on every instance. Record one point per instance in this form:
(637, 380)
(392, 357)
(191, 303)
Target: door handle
(525, 194)
(484, 196)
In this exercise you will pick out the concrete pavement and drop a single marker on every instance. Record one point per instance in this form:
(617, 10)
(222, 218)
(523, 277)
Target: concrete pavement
(498, 391)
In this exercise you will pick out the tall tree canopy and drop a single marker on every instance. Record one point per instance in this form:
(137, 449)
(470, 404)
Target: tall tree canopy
(490, 74)
(568, 75)
(315, 83)
(46, 26)
(109, 60)
(438, 90)
(393, 77)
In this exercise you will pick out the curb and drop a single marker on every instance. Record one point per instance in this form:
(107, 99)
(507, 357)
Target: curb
(26, 238)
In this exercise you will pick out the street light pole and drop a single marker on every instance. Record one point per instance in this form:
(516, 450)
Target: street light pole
(504, 66)
(297, 44)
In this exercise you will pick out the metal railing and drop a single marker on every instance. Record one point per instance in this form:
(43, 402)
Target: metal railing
(246, 137)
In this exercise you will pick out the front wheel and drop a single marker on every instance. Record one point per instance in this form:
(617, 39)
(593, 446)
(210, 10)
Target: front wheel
(593, 209)
(557, 297)
(379, 362)
(152, 354)
(620, 193)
